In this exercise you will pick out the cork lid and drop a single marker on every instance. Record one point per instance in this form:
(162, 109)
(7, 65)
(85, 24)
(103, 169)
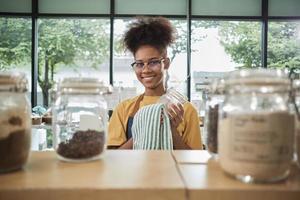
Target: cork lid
(13, 82)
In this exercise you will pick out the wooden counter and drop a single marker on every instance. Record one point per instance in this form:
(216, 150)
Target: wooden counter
(185, 175)
(118, 175)
(205, 179)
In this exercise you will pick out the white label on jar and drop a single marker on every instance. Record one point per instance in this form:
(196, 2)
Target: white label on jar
(90, 122)
(261, 137)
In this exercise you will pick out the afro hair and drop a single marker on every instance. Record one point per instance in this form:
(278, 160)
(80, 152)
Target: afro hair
(156, 31)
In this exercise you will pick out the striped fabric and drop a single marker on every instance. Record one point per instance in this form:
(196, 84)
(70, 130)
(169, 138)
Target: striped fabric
(151, 129)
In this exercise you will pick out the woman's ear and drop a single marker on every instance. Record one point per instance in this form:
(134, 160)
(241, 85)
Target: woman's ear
(167, 63)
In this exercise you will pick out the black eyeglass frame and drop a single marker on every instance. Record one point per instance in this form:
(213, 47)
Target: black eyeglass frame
(147, 63)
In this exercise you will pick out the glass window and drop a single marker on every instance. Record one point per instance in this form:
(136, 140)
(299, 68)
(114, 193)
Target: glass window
(71, 47)
(219, 47)
(123, 73)
(178, 56)
(228, 7)
(284, 44)
(284, 8)
(75, 6)
(15, 6)
(125, 76)
(154, 7)
(15, 46)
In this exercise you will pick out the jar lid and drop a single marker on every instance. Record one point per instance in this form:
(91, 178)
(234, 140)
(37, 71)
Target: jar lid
(296, 84)
(260, 80)
(217, 86)
(258, 77)
(84, 85)
(13, 82)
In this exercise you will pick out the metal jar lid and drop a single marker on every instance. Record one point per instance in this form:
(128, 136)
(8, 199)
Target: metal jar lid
(258, 80)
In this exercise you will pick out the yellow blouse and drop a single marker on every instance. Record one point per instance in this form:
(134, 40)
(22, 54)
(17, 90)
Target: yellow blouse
(189, 128)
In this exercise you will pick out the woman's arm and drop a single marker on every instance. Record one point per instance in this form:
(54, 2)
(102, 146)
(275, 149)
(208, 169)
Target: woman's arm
(177, 140)
(116, 129)
(176, 117)
(127, 145)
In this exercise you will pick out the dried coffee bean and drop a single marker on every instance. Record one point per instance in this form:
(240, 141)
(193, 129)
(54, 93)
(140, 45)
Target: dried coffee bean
(83, 144)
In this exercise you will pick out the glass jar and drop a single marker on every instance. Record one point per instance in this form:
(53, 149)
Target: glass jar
(15, 121)
(80, 119)
(172, 96)
(256, 126)
(296, 86)
(215, 97)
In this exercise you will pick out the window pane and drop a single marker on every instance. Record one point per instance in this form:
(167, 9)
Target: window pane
(284, 8)
(15, 6)
(228, 7)
(71, 47)
(222, 46)
(284, 44)
(177, 54)
(15, 46)
(75, 6)
(125, 76)
(155, 7)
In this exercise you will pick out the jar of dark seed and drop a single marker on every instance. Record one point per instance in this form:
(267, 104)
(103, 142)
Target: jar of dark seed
(80, 119)
(215, 98)
(15, 121)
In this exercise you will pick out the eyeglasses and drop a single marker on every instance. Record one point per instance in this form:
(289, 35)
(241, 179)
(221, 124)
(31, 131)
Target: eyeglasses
(152, 64)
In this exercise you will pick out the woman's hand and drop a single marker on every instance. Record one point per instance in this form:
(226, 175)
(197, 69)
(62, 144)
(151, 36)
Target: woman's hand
(175, 112)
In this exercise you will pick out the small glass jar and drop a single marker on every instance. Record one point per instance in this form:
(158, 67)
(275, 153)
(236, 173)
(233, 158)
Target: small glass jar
(256, 126)
(296, 86)
(215, 99)
(172, 96)
(80, 119)
(15, 121)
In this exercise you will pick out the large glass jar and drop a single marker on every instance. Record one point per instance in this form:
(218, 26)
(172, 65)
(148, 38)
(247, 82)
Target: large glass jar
(296, 85)
(15, 121)
(256, 127)
(215, 97)
(80, 119)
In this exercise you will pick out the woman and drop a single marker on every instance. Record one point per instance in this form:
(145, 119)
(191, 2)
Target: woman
(148, 39)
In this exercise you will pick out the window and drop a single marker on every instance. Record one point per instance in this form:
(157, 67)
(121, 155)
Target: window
(15, 6)
(284, 44)
(228, 7)
(71, 47)
(219, 47)
(178, 56)
(74, 6)
(153, 7)
(15, 46)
